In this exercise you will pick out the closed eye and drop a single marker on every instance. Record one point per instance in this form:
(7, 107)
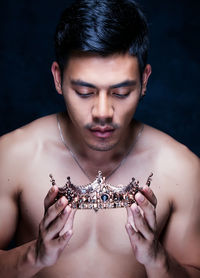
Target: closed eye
(84, 95)
(120, 95)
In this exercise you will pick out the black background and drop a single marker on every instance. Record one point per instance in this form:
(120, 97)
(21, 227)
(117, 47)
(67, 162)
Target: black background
(26, 53)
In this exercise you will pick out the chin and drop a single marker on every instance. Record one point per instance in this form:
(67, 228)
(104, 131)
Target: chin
(102, 147)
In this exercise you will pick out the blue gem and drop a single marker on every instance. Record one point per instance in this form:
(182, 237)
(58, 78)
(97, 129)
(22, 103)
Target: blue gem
(104, 197)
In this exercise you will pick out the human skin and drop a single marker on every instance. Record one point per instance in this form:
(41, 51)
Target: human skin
(166, 240)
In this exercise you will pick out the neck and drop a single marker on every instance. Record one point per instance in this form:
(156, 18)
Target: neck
(89, 160)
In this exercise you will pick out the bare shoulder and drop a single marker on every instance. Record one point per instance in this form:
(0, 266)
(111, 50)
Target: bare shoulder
(175, 163)
(19, 147)
(26, 137)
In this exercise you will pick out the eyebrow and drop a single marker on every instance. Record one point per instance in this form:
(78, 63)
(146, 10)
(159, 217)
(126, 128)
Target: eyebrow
(126, 83)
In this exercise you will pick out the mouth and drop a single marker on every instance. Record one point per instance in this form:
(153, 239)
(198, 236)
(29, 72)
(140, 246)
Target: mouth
(102, 132)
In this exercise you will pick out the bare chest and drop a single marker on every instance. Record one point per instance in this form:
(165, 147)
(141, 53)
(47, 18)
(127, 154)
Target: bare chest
(99, 239)
(104, 229)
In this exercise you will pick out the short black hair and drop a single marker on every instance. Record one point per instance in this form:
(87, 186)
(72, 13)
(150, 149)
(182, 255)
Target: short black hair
(102, 27)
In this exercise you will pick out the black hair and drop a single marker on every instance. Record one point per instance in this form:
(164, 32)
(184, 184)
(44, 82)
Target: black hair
(102, 27)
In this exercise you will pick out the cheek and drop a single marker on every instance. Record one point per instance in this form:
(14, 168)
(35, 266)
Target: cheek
(126, 110)
(76, 110)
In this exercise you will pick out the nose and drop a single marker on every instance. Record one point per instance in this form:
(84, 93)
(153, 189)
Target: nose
(102, 109)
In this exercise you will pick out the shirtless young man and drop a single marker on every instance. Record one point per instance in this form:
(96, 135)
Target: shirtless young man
(102, 73)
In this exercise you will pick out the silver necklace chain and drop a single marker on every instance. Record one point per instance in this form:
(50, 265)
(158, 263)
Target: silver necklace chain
(77, 161)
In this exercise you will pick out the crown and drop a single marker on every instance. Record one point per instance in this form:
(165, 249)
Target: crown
(99, 194)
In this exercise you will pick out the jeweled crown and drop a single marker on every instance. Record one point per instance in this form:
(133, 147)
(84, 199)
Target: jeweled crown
(99, 194)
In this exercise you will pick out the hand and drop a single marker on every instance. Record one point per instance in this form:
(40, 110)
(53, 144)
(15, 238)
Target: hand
(141, 227)
(55, 229)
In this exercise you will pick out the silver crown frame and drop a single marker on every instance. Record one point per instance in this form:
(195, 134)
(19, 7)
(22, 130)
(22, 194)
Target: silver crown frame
(99, 194)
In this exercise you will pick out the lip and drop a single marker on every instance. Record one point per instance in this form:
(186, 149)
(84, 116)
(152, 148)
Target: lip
(102, 129)
(102, 132)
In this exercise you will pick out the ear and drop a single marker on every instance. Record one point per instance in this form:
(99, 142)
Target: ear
(145, 77)
(55, 69)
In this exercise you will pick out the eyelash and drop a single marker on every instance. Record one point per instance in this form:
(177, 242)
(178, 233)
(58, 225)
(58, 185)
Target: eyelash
(90, 94)
(83, 95)
(122, 96)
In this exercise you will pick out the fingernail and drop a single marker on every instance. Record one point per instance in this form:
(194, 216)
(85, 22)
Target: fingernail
(67, 234)
(65, 210)
(60, 202)
(140, 197)
(52, 189)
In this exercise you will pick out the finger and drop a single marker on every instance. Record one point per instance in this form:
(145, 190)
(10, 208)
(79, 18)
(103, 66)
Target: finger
(50, 197)
(69, 224)
(64, 239)
(57, 225)
(148, 209)
(134, 236)
(140, 223)
(148, 193)
(130, 219)
(53, 211)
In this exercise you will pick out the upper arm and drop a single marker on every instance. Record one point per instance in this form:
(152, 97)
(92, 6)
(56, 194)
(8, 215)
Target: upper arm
(182, 238)
(8, 223)
(8, 191)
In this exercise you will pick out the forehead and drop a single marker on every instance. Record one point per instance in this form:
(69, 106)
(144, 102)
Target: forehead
(102, 71)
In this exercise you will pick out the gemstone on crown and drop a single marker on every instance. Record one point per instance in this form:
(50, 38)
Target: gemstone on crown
(99, 194)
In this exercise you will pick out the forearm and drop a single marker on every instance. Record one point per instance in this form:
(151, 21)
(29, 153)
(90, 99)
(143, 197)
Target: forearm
(19, 262)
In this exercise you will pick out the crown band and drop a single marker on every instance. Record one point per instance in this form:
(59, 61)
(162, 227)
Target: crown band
(98, 194)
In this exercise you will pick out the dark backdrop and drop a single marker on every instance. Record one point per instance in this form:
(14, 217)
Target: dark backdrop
(26, 54)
